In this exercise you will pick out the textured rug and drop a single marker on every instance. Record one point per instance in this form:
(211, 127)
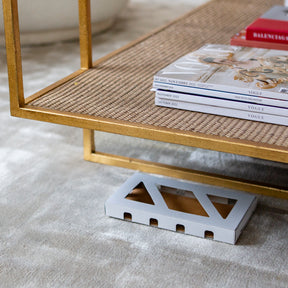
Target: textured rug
(53, 230)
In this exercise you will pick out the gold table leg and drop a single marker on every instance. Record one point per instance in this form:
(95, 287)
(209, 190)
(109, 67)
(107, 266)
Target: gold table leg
(90, 154)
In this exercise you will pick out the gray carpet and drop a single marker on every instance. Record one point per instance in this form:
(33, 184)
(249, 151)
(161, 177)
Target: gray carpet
(53, 231)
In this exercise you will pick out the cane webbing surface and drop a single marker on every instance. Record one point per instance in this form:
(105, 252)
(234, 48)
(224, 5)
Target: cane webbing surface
(119, 88)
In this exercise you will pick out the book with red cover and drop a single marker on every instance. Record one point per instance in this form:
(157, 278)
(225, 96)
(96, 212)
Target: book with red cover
(239, 39)
(270, 27)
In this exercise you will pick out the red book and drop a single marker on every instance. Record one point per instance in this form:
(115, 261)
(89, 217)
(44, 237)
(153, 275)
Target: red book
(270, 27)
(239, 39)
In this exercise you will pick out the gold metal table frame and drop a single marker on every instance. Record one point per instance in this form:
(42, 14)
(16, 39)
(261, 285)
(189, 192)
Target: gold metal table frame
(28, 107)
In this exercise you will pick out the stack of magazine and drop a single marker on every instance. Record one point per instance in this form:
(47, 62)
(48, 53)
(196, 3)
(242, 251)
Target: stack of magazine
(241, 82)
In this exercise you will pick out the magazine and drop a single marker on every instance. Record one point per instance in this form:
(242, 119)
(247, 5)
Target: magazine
(219, 94)
(240, 105)
(244, 70)
(222, 111)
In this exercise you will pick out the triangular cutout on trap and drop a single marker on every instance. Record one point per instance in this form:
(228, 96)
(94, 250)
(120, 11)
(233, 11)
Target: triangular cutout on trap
(182, 200)
(222, 204)
(140, 194)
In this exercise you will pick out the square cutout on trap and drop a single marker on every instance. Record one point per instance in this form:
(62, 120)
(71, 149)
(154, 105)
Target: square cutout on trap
(192, 208)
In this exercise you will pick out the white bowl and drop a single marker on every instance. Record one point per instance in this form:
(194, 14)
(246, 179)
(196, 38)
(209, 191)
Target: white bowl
(43, 21)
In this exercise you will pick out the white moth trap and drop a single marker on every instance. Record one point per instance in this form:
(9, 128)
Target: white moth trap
(197, 209)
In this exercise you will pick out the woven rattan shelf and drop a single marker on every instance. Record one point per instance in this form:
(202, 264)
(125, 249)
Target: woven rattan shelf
(113, 94)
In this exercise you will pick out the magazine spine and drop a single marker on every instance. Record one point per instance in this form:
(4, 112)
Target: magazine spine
(222, 88)
(235, 113)
(251, 107)
(221, 94)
